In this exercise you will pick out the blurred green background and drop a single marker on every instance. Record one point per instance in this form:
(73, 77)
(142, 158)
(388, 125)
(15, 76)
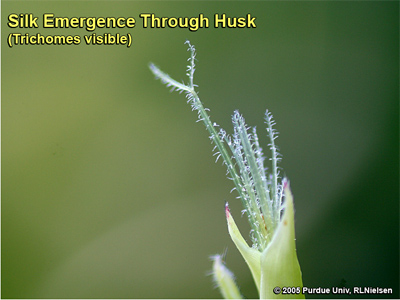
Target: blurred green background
(109, 189)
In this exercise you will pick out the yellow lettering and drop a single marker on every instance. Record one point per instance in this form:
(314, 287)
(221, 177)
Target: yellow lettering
(48, 21)
(61, 22)
(218, 20)
(145, 17)
(120, 22)
(90, 24)
(130, 22)
(13, 21)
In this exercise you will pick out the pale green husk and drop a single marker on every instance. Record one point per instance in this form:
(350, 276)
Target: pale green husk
(277, 265)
